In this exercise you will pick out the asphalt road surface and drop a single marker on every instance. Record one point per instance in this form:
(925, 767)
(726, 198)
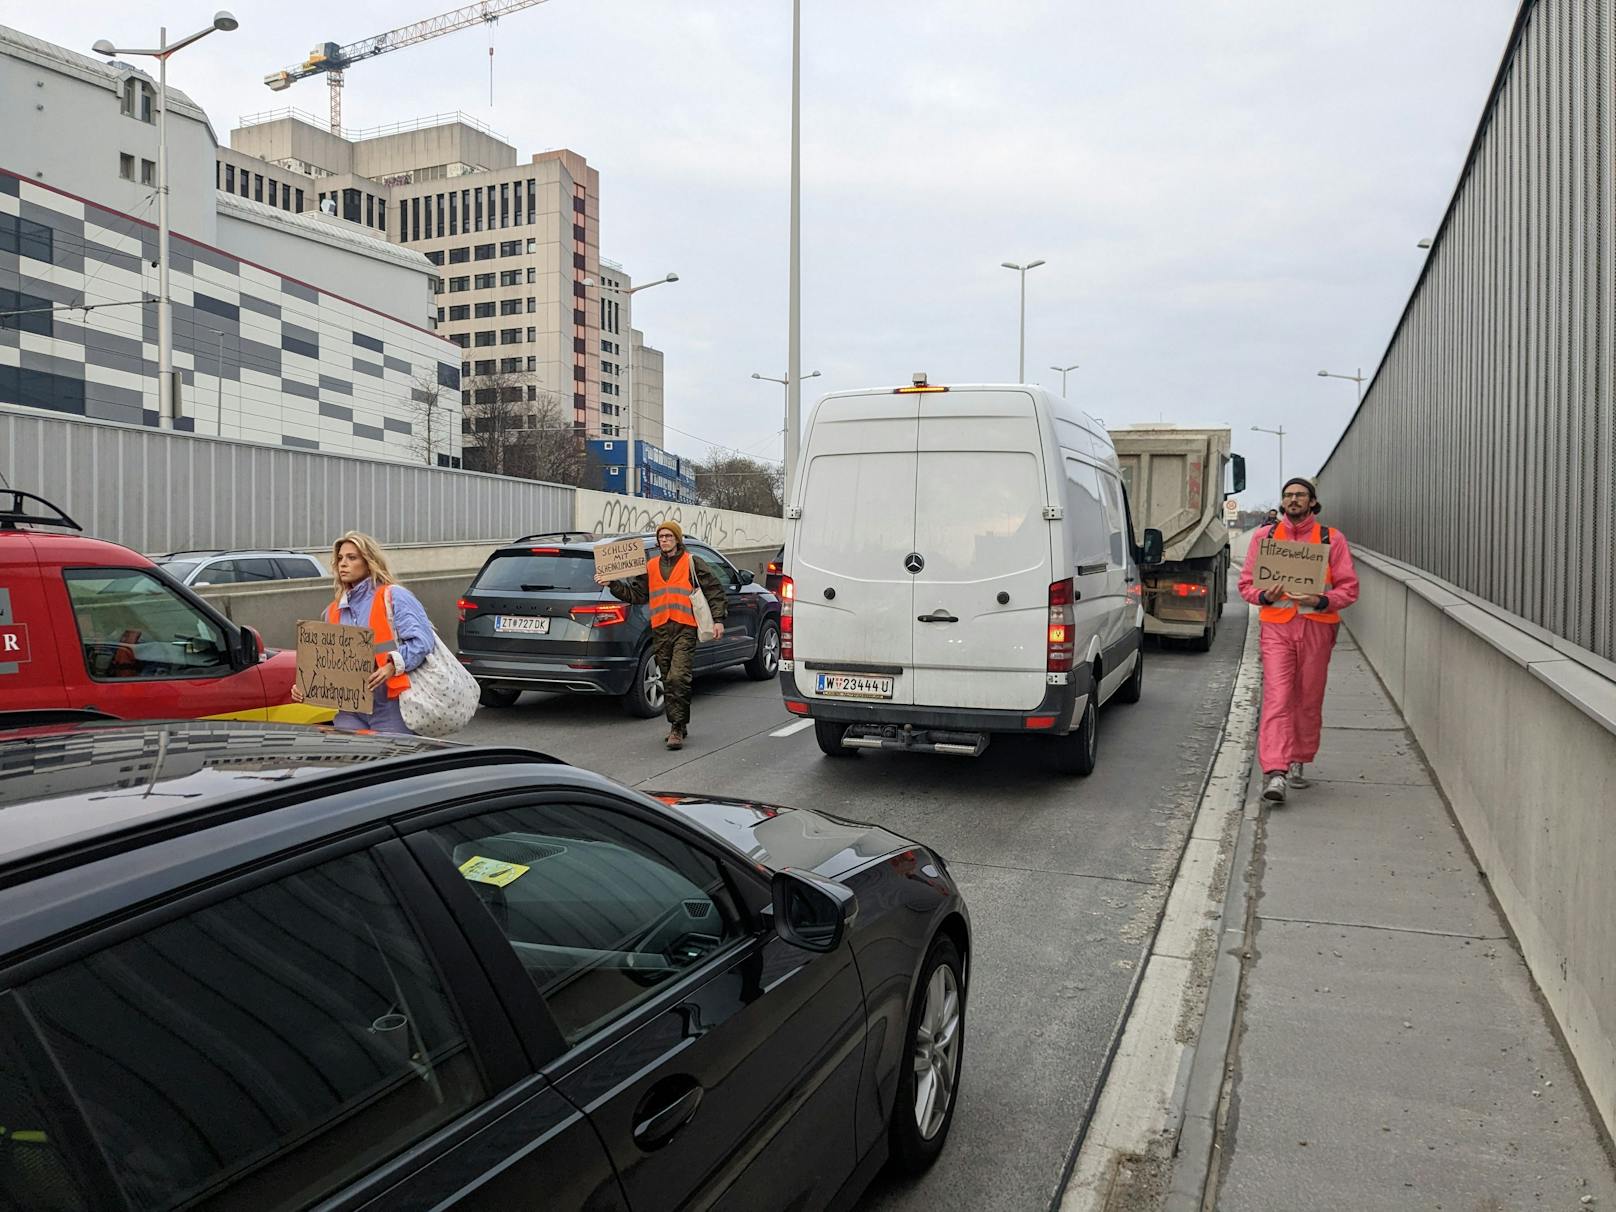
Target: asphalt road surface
(1065, 877)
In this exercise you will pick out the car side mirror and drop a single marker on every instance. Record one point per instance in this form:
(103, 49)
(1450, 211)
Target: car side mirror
(810, 911)
(252, 647)
(747, 576)
(1239, 473)
(1150, 549)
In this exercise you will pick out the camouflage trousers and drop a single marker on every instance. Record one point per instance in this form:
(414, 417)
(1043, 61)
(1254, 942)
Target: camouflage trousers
(675, 646)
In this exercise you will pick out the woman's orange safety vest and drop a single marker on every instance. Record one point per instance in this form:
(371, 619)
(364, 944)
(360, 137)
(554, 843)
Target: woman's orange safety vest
(383, 642)
(1287, 611)
(670, 598)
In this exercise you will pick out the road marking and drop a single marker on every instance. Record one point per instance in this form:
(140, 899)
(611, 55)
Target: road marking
(791, 728)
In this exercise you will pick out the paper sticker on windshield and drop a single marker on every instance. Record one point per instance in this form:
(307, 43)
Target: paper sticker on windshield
(492, 871)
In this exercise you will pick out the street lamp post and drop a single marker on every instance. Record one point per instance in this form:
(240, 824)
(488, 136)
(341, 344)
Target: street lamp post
(222, 20)
(1021, 347)
(1280, 434)
(628, 481)
(794, 301)
(1063, 370)
(786, 383)
(1357, 378)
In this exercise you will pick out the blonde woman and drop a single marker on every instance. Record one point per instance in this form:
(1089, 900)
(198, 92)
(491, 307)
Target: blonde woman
(363, 584)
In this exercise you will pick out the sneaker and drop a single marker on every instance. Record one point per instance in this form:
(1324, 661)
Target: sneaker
(1274, 789)
(1295, 777)
(676, 740)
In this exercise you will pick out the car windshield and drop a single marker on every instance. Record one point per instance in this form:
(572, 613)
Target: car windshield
(530, 572)
(179, 569)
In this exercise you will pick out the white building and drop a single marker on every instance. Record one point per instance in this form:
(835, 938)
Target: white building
(294, 329)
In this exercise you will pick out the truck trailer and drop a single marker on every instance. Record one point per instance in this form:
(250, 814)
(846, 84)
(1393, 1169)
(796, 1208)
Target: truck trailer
(1175, 478)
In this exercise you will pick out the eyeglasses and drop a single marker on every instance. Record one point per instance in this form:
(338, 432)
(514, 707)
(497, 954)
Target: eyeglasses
(1294, 496)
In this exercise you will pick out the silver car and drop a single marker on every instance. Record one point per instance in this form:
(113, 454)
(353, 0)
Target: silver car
(199, 568)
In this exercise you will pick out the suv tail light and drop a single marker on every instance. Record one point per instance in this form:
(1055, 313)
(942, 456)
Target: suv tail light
(607, 614)
(1059, 648)
(467, 609)
(788, 601)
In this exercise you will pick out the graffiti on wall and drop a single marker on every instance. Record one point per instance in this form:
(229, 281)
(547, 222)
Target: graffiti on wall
(606, 513)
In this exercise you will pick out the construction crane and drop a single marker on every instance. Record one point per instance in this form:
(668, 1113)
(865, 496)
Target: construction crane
(334, 60)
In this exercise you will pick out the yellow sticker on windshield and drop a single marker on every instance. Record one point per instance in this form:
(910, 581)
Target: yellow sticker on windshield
(492, 871)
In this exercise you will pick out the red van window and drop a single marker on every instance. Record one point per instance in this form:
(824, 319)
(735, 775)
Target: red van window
(133, 626)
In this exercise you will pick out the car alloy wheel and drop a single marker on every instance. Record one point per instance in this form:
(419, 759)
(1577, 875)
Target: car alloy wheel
(765, 662)
(652, 684)
(936, 1051)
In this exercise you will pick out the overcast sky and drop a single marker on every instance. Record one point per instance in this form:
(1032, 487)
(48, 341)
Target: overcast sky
(1227, 193)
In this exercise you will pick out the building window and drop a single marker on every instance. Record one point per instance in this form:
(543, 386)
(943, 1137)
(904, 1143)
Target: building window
(440, 315)
(126, 166)
(532, 363)
(578, 205)
(532, 304)
(510, 366)
(484, 252)
(435, 256)
(461, 339)
(510, 277)
(458, 256)
(415, 218)
(532, 275)
(148, 172)
(460, 312)
(370, 211)
(510, 248)
(139, 100)
(381, 215)
(459, 284)
(578, 290)
(510, 336)
(479, 210)
(484, 311)
(577, 233)
(274, 192)
(485, 338)
(454, 214)
(532, 200)
(504, 204)
(229, 178)
(300, 201)
(485, 281)
(486, 368)
(510, 307)
(532, 334)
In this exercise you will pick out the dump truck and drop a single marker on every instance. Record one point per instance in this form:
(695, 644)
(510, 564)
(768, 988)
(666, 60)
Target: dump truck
(1175, 476)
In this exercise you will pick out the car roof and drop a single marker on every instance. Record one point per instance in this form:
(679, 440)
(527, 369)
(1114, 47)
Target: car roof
(48, 547)
(237, 553)
(77, 791)
(583, 545)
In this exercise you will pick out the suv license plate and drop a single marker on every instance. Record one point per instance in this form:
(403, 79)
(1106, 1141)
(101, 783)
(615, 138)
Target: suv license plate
(522, 623)
(854, 686)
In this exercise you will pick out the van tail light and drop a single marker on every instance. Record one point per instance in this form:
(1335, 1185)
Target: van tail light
(1058, 650)
(607, 614)
(467, 608)
(788, 602)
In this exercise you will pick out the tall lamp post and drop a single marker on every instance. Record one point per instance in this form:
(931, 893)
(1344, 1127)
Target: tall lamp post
(1063, 370)
(786, 383)
(794, 269)
(1021, 347)
(1280, 434)
(222, 20)
(629, 485)
(1357, 378)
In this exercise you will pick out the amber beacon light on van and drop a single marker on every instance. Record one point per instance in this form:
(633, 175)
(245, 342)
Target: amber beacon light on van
(919, 384)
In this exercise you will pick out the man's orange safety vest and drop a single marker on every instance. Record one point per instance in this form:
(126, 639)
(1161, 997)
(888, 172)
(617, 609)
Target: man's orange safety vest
(383, 642)
(670, 598)
(1285, 612)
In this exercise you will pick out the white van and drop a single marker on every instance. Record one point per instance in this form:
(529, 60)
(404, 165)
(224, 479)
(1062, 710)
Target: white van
(959, 562)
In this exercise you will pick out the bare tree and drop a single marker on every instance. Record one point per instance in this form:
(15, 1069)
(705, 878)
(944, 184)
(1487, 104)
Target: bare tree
(429, 420)
(726, 480)
(519, 427)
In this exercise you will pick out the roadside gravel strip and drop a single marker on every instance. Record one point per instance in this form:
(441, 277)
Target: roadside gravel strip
(1149, 1143)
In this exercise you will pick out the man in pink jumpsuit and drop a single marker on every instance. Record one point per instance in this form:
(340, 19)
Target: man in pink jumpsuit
(1298, 633)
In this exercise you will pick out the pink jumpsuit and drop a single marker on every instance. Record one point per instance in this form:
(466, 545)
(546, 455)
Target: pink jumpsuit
(1296, 656)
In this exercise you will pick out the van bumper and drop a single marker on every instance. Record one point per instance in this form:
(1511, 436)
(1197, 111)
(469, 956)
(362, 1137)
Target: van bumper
(1061, 703)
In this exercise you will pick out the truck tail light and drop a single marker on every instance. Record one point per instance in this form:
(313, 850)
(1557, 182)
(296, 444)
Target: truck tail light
(1188, 589)
(1059, 648)
(788, 620)
(467, 608)
(606, 614)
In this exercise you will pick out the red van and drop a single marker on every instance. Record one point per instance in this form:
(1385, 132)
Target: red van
(89, 624)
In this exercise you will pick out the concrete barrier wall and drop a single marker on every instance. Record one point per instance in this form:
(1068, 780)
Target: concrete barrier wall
(1520, 730)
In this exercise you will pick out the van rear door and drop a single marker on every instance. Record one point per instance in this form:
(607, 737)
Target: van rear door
(854, 608)
(979, 526)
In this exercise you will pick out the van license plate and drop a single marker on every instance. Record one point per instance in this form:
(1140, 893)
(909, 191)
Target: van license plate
(522, 623)
(854, 686)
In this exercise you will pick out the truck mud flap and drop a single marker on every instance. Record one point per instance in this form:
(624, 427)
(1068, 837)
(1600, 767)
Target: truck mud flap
(915, 740)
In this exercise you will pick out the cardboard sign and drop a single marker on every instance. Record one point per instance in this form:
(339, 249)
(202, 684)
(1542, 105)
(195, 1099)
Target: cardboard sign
(624, 558)
(335, 664)
(1294, 567)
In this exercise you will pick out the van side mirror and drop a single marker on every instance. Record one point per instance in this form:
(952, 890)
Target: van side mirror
(251, 649)
(1150, 549)
(810, 911)
(1239, 462)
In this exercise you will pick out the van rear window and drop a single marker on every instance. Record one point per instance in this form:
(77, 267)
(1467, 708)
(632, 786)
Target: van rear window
(525, 572)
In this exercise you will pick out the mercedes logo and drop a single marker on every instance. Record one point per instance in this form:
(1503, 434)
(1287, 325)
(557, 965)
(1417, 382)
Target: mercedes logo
(914, 562)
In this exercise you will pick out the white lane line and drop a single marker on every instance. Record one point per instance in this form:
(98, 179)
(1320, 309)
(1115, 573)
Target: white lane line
(791, 728)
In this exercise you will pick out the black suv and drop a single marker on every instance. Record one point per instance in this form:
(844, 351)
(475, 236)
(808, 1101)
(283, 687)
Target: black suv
(534, 619)
(268, 967)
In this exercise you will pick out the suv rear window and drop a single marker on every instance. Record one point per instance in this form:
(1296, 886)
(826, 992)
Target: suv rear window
(527, 572)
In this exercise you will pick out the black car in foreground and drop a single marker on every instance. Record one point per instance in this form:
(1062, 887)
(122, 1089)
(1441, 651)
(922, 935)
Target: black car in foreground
(263, 967)
(534, 619)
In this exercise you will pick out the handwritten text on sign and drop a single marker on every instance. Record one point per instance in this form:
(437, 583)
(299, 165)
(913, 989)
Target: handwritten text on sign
(626, 557)
(335, 664)
(1294, 567)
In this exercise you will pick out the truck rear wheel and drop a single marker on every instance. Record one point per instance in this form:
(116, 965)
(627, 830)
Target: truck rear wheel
(1204, 642)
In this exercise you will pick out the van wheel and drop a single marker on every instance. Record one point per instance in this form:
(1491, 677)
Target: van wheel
(1075, 753)
(490, 697)
(1134, 687)
(765, 662)
(829, 734)
(644, 698)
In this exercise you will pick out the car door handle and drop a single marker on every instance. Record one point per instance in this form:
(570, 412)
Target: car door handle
(941, 616)
(655, 1128)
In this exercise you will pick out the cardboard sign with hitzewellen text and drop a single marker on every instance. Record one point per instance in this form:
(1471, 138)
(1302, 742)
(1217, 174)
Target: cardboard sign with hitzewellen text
(1297, 568)
(335, 664)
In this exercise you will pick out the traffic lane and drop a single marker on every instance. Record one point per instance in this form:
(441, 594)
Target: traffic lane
(1065, 878)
